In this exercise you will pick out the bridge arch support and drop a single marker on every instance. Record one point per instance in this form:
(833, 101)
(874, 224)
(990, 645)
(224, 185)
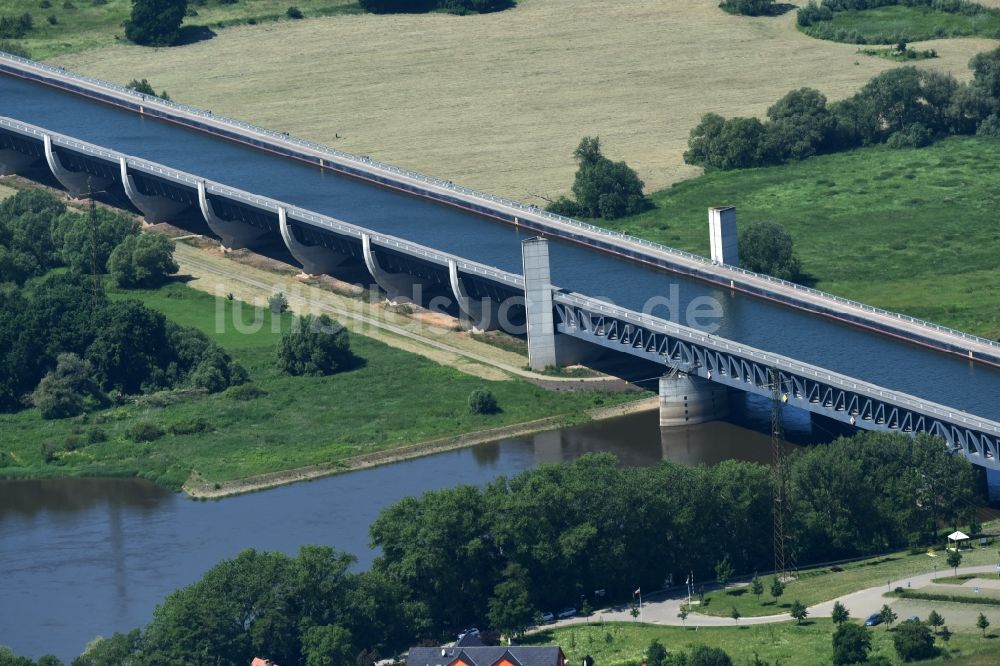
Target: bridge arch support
(234, 235)
(399, 287)
(78, 183)
(315, 259)
(153, 208)
(481, 314)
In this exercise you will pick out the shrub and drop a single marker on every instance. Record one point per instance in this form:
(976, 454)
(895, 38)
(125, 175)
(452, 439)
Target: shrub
(144, 431)
(49, 451)
(64, 391)
(45, 4)
(482, 401)
(294, 12)
(765, 247)
(913, 641)
(245, 392)
(851, 644)
(68, 5)
(96, 436)
(914, 136)
(277, 303)
(194, 426)
(314, 346)
(52, 19)
(990, 126)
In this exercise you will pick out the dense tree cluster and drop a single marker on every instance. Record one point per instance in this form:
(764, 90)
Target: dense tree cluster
(421, 6)
(602, 188)
(904, 107)
(142, 261)
(749, 7)
(15, 27)
(544, 539)
(155, 22)
(65, 345)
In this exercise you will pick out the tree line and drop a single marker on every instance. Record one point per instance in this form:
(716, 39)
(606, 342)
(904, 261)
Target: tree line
(421, 6)
(903, 107)
(547, 538)
(64, 345)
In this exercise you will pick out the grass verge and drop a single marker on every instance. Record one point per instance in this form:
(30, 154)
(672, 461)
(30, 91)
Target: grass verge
(813, 586)
(395, 399)
(909, 230)
(616, 644)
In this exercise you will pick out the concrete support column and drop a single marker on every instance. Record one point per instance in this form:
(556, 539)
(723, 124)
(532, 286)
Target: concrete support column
(398, 287)
(538, 303)
(12, 162)
(235, 235)
(687, 400)
(315, 259)
(154, 208)
(722, 235)
(78, 183)
(482, 314)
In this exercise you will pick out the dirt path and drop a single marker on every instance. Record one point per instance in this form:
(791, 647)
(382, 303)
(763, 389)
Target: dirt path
(435, 338)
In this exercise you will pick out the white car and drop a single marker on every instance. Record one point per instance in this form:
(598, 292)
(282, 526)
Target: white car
(566, 613)
(548, 617)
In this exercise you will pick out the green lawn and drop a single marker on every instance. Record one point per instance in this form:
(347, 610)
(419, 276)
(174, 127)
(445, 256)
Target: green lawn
(909, 230)
(813, 586)
(395, 399)
(86, 24)
(785, 643)
(887, 25)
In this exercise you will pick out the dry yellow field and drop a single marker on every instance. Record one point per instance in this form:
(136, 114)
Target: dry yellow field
(500, 101)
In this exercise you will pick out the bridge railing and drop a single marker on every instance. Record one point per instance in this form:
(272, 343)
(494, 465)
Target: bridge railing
(266, 203)
(776, 360)
(520, 207)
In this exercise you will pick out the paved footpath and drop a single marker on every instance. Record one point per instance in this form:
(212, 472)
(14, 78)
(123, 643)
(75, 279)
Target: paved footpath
(861, 604)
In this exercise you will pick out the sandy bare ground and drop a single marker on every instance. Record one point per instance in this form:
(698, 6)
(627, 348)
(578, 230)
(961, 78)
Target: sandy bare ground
(499, 102)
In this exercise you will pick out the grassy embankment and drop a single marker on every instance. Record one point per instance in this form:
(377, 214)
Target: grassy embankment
(813, 586)
(908, 230)
(884, 25)
(86, 24)
(616, 644)
(394, 399)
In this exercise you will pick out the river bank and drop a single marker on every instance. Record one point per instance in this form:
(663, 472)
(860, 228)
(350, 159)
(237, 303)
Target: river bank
(197, 487)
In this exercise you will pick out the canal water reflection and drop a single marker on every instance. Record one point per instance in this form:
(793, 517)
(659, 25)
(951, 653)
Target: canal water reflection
(82, 557)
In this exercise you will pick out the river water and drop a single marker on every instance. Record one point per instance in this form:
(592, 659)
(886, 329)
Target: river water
(83, 557)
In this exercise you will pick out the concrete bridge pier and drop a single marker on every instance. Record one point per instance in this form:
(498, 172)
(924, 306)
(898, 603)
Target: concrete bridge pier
(398, 287)
(235, 235)
(482, 314)
(687, 400)
(78, 183)
(12, 162)
(153, 208)
(315, 259)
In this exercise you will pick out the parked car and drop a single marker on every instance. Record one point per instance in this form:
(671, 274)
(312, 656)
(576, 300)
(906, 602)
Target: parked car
(548, 617)
(873, 619)
(468, 632)
(913, 618)
(566, 612)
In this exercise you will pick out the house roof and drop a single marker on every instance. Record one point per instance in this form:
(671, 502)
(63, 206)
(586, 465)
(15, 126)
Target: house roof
(486, 656)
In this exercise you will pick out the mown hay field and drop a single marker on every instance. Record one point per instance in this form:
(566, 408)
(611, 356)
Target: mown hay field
(500, 101)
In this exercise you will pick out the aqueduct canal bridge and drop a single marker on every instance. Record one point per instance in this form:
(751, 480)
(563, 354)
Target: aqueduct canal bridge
(254, 186)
